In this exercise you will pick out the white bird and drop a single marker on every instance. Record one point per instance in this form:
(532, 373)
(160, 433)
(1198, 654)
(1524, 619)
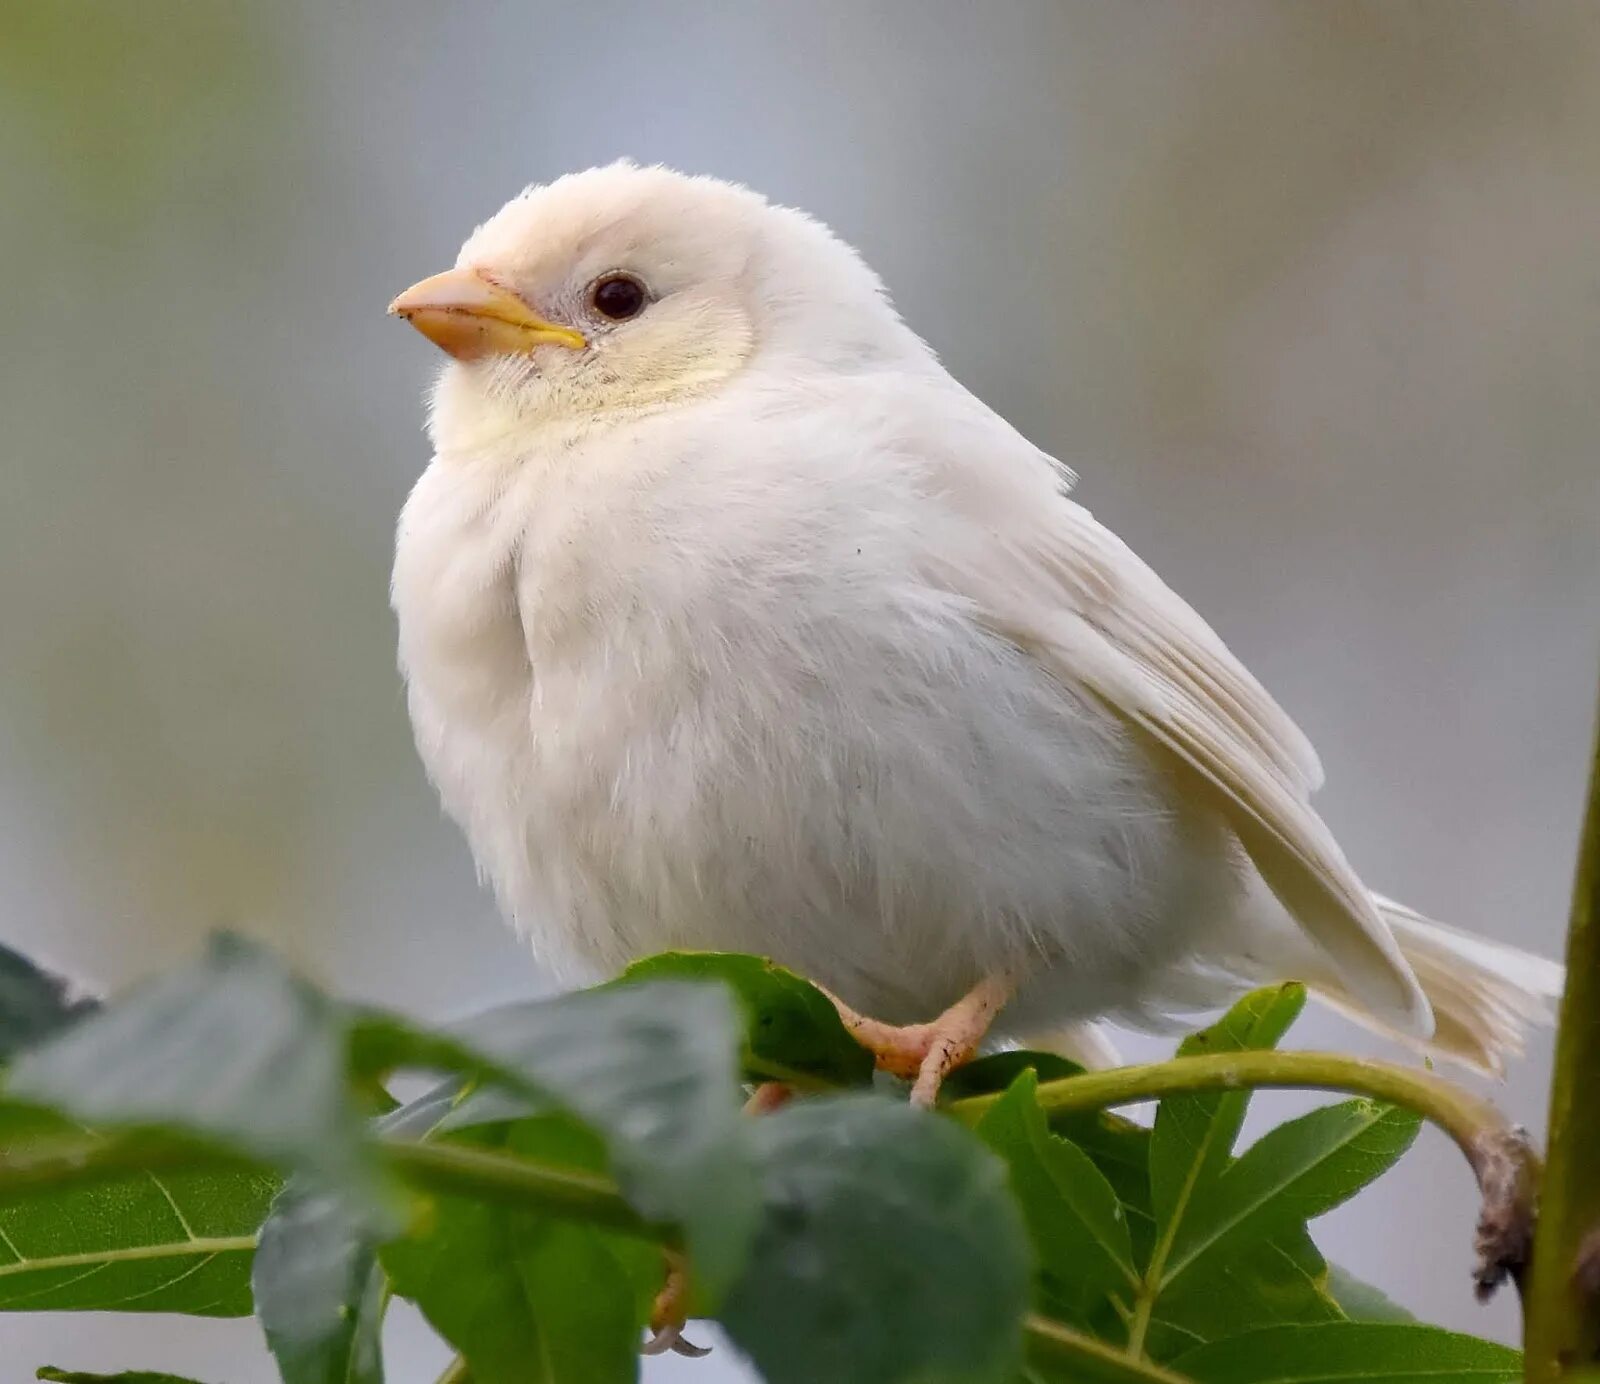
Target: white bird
(730, 620)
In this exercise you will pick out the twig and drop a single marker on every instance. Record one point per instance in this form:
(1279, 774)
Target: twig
(1466, 1117)
(1501, 1158)
(1562, 1337)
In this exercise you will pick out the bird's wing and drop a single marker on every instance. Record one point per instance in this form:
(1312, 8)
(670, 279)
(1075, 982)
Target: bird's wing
(1040, 569)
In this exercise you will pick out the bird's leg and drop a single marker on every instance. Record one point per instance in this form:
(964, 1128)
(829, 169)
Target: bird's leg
(927, 1053)
(922, 1053)
(669, 1312)
(956, 1035)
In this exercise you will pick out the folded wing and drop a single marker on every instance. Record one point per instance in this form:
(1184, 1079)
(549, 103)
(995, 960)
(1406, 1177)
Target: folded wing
(1071, 593)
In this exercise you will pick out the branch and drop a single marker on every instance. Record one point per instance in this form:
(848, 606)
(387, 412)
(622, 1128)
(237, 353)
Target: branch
(1467, 1118)
(1504, 1164)
(1563, 1327)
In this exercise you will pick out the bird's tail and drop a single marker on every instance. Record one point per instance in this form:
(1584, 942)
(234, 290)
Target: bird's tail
(1484, 994)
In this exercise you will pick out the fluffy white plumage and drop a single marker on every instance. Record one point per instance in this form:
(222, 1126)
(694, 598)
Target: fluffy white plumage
(744, 626)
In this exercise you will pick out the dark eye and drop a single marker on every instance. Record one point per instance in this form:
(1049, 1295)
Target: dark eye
(618, 296)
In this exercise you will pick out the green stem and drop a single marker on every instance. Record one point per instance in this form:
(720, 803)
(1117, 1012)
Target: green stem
(1474, 1123)
(449, 1169)
(1050, 1343)
(1144, 1307)
(510, 1180)
(1562, 1337)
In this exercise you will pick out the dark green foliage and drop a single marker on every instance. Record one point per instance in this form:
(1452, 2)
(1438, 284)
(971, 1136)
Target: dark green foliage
(652, 1068)
(1194, 1135)
(1381, 1351)
(525, 1203)
(888, 1250)
(1295, 1173)
(1078, 1227)
(791, 1030)
(997, 1070)
(527, 1299)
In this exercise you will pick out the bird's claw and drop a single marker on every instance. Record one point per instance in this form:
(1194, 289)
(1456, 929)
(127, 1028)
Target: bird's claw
(667, 1317)
(671, 1338)
(669, 1313)
(925, 1054)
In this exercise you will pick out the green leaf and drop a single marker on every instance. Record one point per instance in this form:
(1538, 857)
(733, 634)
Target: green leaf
(1362, 1302)
(1351, 1351)
(1194, 1135)
(1268, 1283)
(34, 1003)
(233, 1049)
(652, 1068)
(50, 1372)
(1296, 1172)
(1121, 1150)
(889, 1250)
(1078, 1229)
(1262, 1282)
(319, 1292)
(528, 1300)
(791, 1027)
(169, 1241)
(996, 1071)
(1118, 1147)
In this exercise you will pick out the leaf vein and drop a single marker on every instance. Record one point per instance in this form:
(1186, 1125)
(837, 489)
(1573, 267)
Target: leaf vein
(173, 1203)
(102, 1258)
(193, 1269)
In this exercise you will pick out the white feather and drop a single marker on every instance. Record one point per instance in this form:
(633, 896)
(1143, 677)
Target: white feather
(747, 627)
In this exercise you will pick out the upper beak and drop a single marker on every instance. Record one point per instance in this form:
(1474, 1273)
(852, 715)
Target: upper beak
(466, 313)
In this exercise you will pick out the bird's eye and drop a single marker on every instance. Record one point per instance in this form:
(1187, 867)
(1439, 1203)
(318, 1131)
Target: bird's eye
(617, 296)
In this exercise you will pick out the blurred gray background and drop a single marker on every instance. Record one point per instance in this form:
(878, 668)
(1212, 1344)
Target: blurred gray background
(1310, 295)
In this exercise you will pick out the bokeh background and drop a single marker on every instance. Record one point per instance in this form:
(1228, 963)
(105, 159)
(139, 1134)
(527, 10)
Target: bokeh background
(1310, 295)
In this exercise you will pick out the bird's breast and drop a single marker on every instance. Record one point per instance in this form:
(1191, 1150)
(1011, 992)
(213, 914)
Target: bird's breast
(678, 719)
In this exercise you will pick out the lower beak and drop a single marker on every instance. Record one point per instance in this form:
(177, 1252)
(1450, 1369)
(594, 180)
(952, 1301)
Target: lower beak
(469, 315)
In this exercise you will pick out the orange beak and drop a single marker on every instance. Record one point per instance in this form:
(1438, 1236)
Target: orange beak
(469, 315)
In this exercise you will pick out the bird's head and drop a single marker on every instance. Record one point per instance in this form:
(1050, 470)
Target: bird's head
(624, 288)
